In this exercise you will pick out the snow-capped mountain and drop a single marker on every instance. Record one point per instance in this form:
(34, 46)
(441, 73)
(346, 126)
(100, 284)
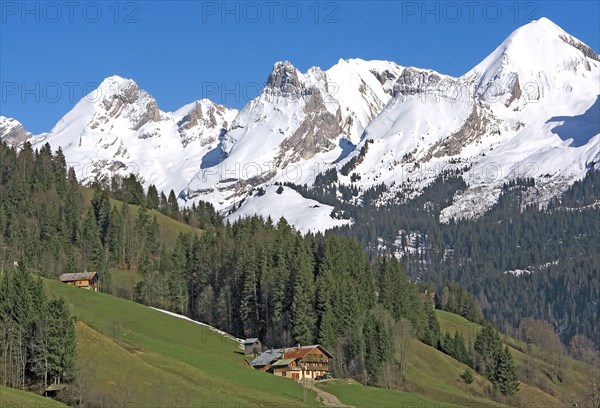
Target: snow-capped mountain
(298, 125)
(529, 109)
(119, 129)
(12, 131)
(543, 87)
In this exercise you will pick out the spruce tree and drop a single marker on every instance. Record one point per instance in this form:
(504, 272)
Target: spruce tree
(503, 374)
(101, 207)
(249, 297)
(303, 319)
(172, 206)
(152, 199)
(39, 335)
(62, 344)
(163, 204)
(487, 348)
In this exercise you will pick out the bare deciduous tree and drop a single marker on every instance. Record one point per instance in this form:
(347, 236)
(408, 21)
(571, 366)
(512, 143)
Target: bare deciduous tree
(544, 341)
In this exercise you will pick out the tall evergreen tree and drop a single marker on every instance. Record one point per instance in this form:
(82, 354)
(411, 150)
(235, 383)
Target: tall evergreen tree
(152, 199)
(503, 375)
(249, 296)
(302, 313)
(61, 347)
(172, 205)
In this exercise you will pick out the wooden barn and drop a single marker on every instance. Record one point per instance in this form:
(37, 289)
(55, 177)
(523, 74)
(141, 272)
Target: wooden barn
(252, 347)
(86, 280)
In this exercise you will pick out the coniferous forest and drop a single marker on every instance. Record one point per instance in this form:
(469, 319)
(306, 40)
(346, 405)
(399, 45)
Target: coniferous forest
(261, 278)
(517, 260)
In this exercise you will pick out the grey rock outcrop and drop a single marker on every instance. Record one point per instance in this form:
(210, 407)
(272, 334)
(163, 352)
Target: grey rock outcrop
(12, 131)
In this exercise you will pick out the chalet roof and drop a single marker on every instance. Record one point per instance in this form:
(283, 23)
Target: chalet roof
(267, 357)
(251, 340)
(301, 352)
(69, 277)
(294, 353)
(284, 362)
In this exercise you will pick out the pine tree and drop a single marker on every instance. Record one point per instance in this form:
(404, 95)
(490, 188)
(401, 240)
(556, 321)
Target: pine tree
(431, 334)
(152, 199)
(503, 374)
(132, 191)
(115, 236)
(93, 253)
(487, 347)
(38, 342)
(302, 317)
(62, 345)
(467, 376)
(172, 206)
(163, 204)
(178, 288)
(23, 315)
(38, 336)
(249, 296)
(101, 207)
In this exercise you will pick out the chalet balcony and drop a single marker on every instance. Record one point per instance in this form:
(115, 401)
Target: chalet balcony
(316, 366)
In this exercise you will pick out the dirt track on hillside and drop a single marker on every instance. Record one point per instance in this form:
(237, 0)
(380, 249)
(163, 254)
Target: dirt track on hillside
(329, 400)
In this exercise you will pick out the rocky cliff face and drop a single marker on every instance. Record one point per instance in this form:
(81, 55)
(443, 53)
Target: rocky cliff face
(587, 51)
(204, 123)
(123, 99)
(316, 134)
(12, 131)
(416, 81)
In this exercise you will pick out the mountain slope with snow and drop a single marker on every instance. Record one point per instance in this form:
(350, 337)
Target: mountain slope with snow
(531, 108)
(278, 201)
(119, 129)
(300, 124)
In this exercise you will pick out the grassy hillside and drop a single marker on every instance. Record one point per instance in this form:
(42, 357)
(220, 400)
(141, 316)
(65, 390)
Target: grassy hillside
(537, 388)
(433, 379)
(352, 393)
(11, 398)
(131, 354)
(436, 375)
(123, 282)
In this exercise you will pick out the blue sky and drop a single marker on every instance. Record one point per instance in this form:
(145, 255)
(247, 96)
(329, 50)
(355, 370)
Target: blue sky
(52, 53)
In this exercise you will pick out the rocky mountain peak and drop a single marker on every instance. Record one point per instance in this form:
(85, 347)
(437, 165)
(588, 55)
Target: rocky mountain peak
(539, 56)
(117, 97)
(284, 79)
(202, 112)
(12, 131)
(203, 120)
